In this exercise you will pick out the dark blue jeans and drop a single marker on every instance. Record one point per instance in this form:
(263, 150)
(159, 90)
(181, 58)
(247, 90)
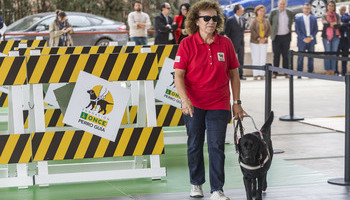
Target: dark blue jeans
(139, 40)
(331, 45)
(310, 48)
(215, 122)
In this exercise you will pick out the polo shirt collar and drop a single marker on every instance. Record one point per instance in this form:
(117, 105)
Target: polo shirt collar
(199, 40)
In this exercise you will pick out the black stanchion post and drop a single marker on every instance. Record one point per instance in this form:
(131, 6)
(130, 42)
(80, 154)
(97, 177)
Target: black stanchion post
(268, 86)
(291, 116)
(346, 180)
(268, 95)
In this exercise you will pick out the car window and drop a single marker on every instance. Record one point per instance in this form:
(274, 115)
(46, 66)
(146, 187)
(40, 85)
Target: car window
(78, 21)
(107, 21)
(46, 22)
(23, 23)
(95, 21)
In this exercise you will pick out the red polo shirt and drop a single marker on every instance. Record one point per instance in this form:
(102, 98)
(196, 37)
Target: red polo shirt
(207, 70)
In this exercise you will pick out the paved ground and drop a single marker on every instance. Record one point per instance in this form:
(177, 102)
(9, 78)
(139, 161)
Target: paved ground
(318, 151)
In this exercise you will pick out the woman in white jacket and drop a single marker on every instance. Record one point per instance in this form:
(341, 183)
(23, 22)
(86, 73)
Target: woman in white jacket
(60, 31)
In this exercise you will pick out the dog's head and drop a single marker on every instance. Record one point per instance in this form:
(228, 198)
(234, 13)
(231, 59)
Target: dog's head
(91, 92)
(250, 145)
(249, 149)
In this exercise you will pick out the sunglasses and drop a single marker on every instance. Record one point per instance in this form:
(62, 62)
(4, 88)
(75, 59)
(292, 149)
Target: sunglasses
(168, 8)
(207, 18)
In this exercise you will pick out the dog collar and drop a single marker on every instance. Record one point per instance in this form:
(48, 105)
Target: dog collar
(254, 167)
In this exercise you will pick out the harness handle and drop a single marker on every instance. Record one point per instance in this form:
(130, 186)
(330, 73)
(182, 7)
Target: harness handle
(239, 124)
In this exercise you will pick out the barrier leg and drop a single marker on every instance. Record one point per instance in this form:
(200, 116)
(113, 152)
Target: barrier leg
(134, 93)
(151, 120)
(38, 120)
(291, 116)
(141, 107)
(346, 180)
(19, 171)
(15, 123)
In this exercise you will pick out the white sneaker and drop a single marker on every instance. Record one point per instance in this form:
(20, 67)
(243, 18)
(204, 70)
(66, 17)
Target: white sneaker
(218, 195)
(196, 191)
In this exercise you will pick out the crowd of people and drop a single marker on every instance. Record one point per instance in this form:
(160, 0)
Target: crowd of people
(277, 28)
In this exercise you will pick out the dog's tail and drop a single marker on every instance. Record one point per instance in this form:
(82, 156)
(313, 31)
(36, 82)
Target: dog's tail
(266, 127)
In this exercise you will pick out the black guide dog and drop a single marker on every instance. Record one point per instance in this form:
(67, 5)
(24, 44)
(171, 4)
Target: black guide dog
(94, 100)
(255, 157)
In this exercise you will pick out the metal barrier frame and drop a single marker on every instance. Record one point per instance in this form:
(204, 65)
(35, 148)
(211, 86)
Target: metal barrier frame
(268, 80)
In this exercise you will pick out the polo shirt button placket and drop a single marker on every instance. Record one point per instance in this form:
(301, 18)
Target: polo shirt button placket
(210, 58)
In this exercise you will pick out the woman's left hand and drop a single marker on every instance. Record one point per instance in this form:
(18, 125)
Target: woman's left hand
(238, 111)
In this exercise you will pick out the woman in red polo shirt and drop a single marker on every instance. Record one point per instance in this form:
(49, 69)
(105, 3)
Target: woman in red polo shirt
(205, 65)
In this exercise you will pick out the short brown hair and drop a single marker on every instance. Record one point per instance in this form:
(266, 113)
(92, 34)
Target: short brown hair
(192, 16)
(257, 8)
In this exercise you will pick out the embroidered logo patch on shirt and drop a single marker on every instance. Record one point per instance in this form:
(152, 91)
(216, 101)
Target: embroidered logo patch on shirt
(221, 56)
(177, 59)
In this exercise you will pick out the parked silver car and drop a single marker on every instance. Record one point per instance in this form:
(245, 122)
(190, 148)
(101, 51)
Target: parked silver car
(81, 22)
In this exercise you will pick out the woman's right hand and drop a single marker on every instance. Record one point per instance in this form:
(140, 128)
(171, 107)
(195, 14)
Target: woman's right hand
(187, 107)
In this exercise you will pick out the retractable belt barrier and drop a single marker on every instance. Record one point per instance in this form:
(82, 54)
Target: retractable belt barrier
(268, 97)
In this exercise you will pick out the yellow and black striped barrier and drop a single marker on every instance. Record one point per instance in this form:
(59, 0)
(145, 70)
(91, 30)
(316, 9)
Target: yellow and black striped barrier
(13, 70)
(15, 148)
(54, 117)
(6, 46)
(132, 115)
(74, 50)
(112, 67)
(168, 115)
(60, 145)
(3, 99)
(79, 144)
(162, 51)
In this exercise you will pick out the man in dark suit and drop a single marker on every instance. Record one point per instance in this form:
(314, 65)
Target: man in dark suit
(281, 20)
(306, 29)
(344, 43)
(234, 29)
(164, 26)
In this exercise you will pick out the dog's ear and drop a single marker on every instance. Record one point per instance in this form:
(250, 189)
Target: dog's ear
(268, 123)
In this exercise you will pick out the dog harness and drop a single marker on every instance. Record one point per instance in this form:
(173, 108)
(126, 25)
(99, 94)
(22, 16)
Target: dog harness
(236, 140)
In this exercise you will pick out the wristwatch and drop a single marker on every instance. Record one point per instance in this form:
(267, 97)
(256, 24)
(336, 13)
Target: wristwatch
(239, 102)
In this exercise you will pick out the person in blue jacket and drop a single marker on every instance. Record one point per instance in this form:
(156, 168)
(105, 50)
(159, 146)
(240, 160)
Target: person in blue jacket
(306, 29)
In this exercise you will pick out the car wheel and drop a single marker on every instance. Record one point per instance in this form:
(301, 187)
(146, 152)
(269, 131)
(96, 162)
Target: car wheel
(249, 15)
(103, 42)
(318, 7)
